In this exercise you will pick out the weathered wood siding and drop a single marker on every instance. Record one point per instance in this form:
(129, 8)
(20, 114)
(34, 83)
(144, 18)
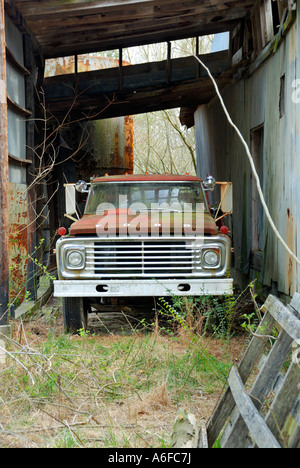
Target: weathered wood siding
(254, 101)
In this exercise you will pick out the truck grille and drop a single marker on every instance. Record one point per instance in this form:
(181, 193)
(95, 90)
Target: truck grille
(141, 259)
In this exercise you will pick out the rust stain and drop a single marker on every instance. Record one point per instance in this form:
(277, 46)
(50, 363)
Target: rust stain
(116, 162)
(17, 239)
(128, 124)
(85, 63)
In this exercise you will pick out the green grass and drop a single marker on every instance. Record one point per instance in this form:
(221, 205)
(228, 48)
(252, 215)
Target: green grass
(104, 391)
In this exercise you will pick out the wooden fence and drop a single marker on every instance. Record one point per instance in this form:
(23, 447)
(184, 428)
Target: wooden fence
(261, 406)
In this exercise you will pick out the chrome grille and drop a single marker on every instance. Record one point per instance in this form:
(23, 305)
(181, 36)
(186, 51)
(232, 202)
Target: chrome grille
(141, 258)
(148, 258)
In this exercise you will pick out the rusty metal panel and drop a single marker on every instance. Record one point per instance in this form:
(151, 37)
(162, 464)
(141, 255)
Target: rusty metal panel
(128, 144)
(4, 217)
(85, 63)
(110, 146)
(17, 240)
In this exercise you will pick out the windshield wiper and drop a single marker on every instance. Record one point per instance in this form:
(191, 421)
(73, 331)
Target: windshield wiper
(168, 210)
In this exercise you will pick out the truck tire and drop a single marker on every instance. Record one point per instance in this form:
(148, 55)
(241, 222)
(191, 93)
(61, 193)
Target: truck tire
(75, 314)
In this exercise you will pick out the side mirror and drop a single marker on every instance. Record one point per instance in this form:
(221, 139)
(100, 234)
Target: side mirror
(209, 183)
(81, 186)
(226, 197)
(226, 203)
(70, 195)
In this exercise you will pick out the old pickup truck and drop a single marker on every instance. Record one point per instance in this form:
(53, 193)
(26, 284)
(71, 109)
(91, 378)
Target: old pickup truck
(140, 235)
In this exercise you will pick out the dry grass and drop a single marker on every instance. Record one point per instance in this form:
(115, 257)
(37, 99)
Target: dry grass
(106, 390)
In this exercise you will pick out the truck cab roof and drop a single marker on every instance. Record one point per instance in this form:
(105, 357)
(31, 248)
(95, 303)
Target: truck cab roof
(148, 178)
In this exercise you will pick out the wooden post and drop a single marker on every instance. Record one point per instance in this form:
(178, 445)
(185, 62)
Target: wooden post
(169, 63)
(197, 62)
(4, 270)
(120, 69)
(31, 285)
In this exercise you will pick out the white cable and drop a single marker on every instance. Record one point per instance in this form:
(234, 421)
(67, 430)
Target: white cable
(266, 209)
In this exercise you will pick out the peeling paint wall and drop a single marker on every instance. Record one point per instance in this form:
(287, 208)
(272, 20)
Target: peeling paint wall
(253, 102)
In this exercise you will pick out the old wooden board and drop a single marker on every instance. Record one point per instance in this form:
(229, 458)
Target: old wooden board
(284, 401)
(146, 87)
(267, 413)
(251, 416)
(249, 360)
(65, 27)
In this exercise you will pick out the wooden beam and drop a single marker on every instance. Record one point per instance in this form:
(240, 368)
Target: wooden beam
(75, 27)
(120, 69)
(97, 43)
(169, 63)
(145, 87)
(35, 9)
(31, 283)
(114, 27)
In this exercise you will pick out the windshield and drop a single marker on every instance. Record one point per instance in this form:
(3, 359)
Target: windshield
(147, 196)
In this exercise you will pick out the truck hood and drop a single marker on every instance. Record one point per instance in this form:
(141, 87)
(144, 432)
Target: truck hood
(116, 222)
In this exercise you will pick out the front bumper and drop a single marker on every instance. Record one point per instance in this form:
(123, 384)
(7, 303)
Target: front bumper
(142, 288)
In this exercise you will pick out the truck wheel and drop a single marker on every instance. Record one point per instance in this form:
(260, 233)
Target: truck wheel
(75, 314)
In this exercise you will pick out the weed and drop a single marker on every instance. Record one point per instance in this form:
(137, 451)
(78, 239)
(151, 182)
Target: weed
(208, 314)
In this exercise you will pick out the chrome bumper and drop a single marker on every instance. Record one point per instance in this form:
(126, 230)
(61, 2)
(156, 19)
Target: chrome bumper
(138, 288)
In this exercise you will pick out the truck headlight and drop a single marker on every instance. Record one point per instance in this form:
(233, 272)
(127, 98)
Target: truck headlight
(75, 259)
(210, 258)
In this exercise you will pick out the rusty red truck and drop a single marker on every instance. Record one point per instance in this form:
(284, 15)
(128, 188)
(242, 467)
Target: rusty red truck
(140, 235)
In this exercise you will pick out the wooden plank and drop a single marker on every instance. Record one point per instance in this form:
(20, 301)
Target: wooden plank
(17, 108)
(36, 10)
(295, 304)
(262, 386)
(269, 31)
(74, 27)
(283, 316)
(256, 425)
(249, 360)
(20, 161)
(57, 45)
(120, 69)
(144, 88)
(266, 378)
(169, 63)
(296, 440)
(203, 442)
(284, 401)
